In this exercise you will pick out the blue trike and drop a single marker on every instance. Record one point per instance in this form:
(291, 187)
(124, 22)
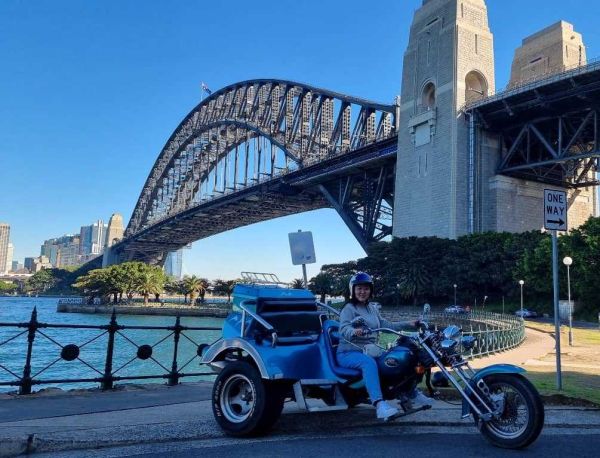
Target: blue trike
(280, 343)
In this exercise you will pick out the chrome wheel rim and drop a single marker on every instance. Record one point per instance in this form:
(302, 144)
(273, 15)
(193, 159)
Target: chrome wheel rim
(238, 398)
(514, 418)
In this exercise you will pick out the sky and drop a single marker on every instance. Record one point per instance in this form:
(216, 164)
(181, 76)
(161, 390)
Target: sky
(91, 90)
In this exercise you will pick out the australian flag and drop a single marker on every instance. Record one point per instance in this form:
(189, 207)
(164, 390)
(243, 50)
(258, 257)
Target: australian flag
(206, 89)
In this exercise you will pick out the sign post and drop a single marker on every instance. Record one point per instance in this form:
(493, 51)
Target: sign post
(555, 219)
(302, 250)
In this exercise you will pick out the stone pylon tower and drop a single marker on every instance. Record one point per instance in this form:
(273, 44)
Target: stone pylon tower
(115, 230)
(449, 61)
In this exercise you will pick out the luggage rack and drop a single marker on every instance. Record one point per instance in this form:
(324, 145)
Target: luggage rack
(262, 278)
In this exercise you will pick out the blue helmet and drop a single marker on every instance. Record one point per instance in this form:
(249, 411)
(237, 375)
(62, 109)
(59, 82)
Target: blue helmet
(360, 278)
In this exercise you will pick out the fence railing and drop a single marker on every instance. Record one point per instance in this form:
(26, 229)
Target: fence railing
(493, 332)
(106, 372)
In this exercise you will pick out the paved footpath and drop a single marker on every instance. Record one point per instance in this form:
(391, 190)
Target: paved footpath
(159, 414)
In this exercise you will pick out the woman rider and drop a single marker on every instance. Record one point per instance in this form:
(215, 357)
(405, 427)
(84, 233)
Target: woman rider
(350, 350)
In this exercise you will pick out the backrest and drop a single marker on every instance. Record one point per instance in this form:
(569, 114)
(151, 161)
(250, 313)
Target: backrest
(296, 320)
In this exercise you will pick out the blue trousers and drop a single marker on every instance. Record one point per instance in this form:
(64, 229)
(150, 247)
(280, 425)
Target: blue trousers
(367, 365)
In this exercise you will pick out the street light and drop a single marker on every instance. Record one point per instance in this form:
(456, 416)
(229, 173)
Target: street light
(567, 261)
(454, 294)
(521, 282)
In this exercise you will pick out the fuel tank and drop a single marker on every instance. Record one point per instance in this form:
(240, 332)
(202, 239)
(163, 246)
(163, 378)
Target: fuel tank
(400, 361)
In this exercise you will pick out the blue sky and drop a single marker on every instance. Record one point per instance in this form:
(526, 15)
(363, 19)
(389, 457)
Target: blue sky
(90, 91)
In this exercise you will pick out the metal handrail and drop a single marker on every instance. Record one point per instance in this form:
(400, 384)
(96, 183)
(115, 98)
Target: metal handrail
(268, 326)
(329, 308)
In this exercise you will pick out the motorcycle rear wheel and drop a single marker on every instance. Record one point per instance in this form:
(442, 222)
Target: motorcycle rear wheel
(522, 418)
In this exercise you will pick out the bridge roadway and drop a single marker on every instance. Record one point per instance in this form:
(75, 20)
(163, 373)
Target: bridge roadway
(306, 189)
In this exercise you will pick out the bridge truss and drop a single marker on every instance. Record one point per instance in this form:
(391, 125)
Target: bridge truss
(266, 148)
(548, 129)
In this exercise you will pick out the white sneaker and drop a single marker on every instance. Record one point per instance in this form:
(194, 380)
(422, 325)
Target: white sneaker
(418, 400)
(385, 411)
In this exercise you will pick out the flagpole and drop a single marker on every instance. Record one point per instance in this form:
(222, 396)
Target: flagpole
(201, 91)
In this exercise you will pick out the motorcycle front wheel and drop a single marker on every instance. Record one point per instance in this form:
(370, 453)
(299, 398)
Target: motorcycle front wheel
(522, 416)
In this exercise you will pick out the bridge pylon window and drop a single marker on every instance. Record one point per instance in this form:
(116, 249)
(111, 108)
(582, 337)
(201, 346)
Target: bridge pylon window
(428, 97)
(475, 86)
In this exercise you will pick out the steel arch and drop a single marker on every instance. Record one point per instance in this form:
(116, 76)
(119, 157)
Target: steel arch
(306, 123)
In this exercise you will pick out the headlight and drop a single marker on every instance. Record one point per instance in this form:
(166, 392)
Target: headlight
(452, 333)
(468, 342)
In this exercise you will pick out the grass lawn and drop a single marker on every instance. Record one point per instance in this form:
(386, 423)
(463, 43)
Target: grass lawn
(580, 365)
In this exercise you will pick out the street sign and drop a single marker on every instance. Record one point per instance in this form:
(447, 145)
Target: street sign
(555, 210)
(302, 248)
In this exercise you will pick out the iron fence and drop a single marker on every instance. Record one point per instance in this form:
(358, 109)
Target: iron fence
(493, 332)
(107, 373)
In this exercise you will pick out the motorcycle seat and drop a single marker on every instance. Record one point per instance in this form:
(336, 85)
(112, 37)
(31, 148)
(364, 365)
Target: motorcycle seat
(332, 339)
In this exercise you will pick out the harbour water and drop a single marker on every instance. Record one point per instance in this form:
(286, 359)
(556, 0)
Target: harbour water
(47, 363)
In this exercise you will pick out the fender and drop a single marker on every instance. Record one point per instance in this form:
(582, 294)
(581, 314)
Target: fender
(212, 352)
(493, 369)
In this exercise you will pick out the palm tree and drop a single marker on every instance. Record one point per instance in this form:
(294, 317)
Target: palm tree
(297, 283)
(150, 281)
(204, 284)
(192, 286)
(225, 287)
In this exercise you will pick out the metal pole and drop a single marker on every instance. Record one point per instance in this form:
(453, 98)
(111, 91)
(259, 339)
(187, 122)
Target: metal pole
(570, 307)
(454, 295)
(521, 300)
(502, 305)
(304, 275)
(556, 317)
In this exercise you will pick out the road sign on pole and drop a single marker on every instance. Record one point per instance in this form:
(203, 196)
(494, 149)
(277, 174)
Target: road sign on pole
(555, 210)
(555, 219)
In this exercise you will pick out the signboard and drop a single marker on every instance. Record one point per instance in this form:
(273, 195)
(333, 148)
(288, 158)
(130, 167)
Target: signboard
(555, 210)
(302, 248)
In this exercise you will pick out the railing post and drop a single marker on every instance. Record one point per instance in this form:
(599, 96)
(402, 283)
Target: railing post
(174, 375)
(107, 380)
(25, 387)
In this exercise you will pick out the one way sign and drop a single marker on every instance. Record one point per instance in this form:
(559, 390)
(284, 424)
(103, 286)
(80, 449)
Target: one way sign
(555, 210)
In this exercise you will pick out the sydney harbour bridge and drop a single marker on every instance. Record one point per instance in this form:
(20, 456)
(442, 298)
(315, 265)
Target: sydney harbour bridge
(268, 148)
(262, 149)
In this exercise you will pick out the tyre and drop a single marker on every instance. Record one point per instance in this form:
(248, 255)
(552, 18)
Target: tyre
(243, 403)
(522, 417)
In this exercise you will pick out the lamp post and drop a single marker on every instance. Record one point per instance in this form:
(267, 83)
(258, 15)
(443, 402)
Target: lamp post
(521, 282)
(567, 261)
(454, 294)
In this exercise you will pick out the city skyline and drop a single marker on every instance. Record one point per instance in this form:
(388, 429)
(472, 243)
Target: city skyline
(106, 84)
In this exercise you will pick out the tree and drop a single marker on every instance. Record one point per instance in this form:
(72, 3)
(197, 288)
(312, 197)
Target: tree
(297, 283)
(192, 286)
(224, 287)
(321, 284)
(96, 283)
(41, 281)
(7, 287)
(151, 280)
(204, 285)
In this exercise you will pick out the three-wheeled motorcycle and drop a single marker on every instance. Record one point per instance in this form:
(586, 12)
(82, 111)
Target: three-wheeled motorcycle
(280, 343)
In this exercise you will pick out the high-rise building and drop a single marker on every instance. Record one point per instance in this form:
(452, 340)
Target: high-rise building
(28, 263)
(115, 230)
(68, 253)
(39, 263)
(16, 266)
(92, 238)
(4, 238)
(9, 257)
(174, 263)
